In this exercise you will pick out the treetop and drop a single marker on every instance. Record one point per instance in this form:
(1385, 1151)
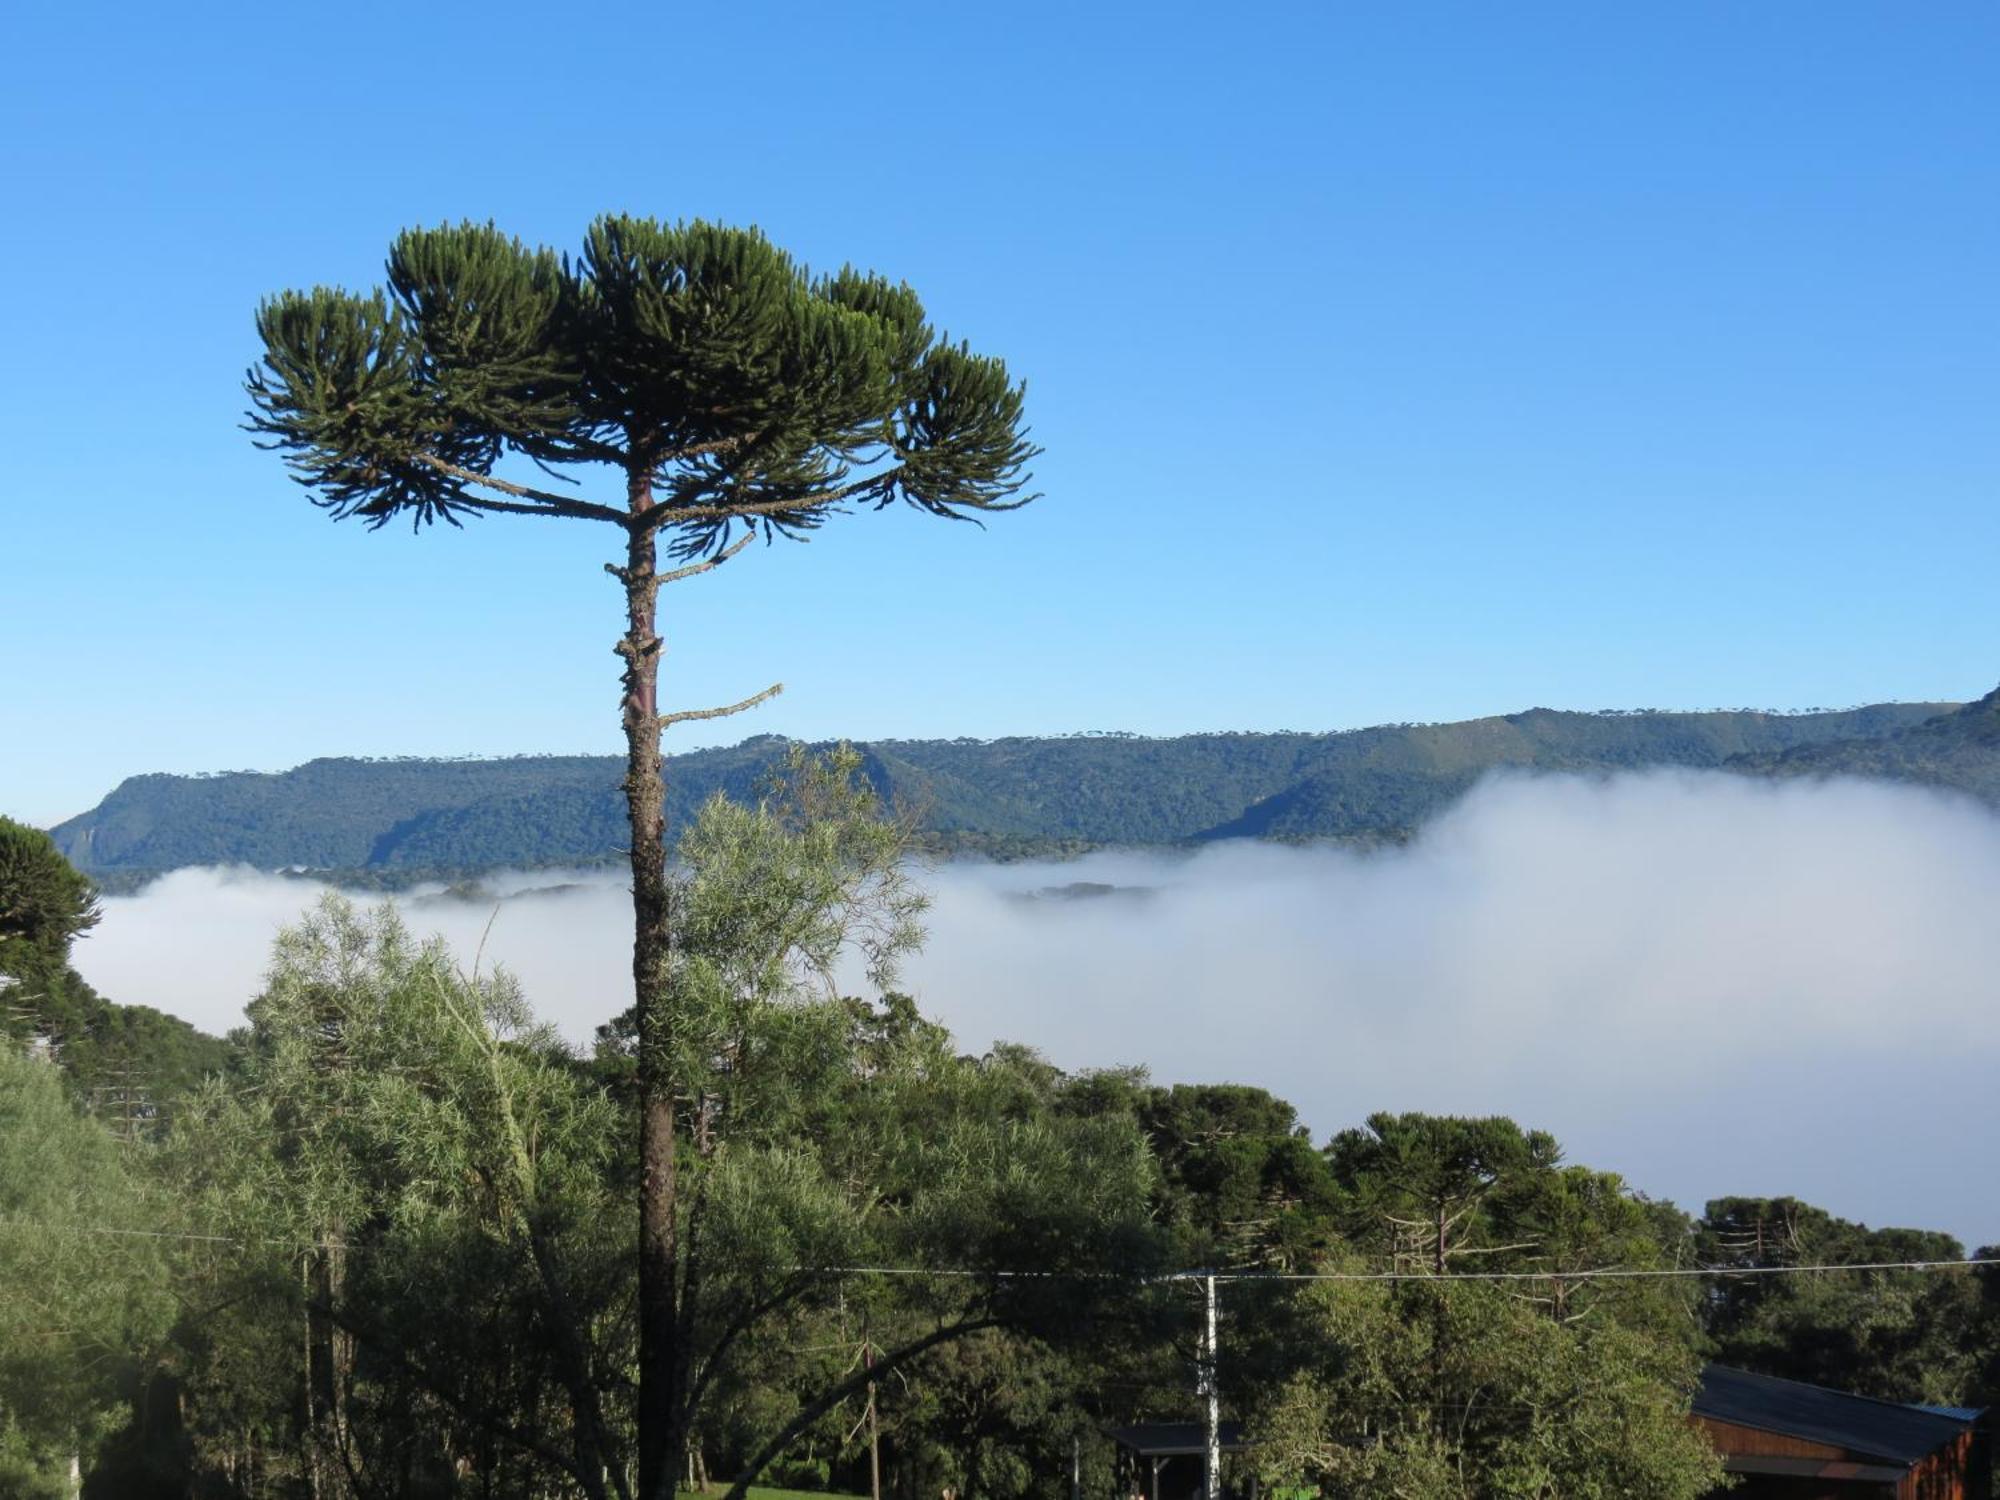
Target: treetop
(45, 902)
(733, 387)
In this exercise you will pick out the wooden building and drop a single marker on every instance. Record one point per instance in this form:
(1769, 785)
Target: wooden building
(1789, 1441)
(1165, 1460)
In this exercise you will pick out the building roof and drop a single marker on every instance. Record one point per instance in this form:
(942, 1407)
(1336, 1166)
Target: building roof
(1174, 1439)
(1859, 1424)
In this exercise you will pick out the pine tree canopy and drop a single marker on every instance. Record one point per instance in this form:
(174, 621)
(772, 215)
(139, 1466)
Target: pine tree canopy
(733, 388)
(44, 902)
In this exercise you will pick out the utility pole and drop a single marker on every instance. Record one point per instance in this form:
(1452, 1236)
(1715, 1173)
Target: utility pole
(874, 1429)
(1206, 1385)
(123, 1102)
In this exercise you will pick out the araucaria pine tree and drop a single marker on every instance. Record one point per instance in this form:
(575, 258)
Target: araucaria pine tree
(727, 393)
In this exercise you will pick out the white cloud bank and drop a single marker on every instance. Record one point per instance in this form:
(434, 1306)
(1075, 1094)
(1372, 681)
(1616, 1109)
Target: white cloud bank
(1710, 983)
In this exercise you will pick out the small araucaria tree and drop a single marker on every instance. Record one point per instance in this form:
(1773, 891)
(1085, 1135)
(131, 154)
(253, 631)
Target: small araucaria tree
(727, 393)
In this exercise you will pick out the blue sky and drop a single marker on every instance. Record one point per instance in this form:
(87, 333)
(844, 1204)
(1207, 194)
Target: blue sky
(1392, 362)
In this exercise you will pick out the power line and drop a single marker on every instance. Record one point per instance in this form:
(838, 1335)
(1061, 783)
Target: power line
(1597, 1273)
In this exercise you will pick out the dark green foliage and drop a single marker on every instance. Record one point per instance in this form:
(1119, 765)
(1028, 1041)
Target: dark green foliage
(757, 393)
(988, 1162)
(126, 1063)
(1008, 797)
(1435, 1194)
(993, 1415)
(45, 904)
(1434, 1388)
(1428, 1190)
(1897, 1335)
(1241, 1183)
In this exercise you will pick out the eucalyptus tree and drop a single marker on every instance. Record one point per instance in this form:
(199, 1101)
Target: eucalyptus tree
(725, 393)
(81, 1283)
(437, 1169)
(1431, 1389)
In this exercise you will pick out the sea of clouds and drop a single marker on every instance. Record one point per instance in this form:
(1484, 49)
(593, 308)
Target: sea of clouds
(1710, 983)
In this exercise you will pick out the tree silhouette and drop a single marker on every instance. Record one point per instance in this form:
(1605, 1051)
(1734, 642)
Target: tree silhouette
(728, 393)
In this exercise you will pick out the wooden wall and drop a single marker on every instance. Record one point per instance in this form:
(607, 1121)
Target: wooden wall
(1955, 1472)
(1945, 1475)
(1728, 1438)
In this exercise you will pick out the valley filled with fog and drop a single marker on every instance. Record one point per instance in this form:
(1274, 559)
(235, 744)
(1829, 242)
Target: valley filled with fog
(1712, 984)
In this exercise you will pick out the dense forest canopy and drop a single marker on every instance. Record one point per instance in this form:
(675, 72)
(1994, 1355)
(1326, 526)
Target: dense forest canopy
(388, 820)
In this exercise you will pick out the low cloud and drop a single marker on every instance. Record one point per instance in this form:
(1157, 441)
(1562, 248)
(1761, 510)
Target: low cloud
(1710, 983)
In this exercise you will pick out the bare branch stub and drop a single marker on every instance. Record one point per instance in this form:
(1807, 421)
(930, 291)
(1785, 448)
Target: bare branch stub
(686, 714)
(714, 562)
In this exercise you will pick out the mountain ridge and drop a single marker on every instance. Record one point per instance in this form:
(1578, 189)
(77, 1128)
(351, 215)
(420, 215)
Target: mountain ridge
(1014, 794)
(1959, 750)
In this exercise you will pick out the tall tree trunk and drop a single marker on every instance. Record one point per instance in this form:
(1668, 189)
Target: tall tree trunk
(329, 1366)
(874, 1431)
(661, 1420)
(596, 1462)
(309, 1390)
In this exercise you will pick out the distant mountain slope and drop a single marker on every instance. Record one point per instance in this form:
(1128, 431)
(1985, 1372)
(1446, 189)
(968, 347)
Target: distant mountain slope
(324, 814)
(1960, 749)
(1022, 793)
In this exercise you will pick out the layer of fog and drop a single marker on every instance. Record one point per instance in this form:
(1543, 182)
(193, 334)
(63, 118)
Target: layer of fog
(1711, 984)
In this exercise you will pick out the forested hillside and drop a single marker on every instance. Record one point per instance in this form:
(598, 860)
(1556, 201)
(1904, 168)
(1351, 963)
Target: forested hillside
(1959, 750)
(1008, 795)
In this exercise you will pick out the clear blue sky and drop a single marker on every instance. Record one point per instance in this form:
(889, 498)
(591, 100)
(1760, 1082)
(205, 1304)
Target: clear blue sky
(1392, 361)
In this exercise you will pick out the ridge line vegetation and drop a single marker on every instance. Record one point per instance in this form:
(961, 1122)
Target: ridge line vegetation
(397, 821)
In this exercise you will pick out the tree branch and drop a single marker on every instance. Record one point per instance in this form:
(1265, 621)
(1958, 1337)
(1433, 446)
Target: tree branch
(575, 1361)
(834, 1395)
(682, 716)
(703, 450)
(1496, 1249)
(546, 502)
(667, 513)
(745, 1320)
(526, 1441)
(714, 562)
